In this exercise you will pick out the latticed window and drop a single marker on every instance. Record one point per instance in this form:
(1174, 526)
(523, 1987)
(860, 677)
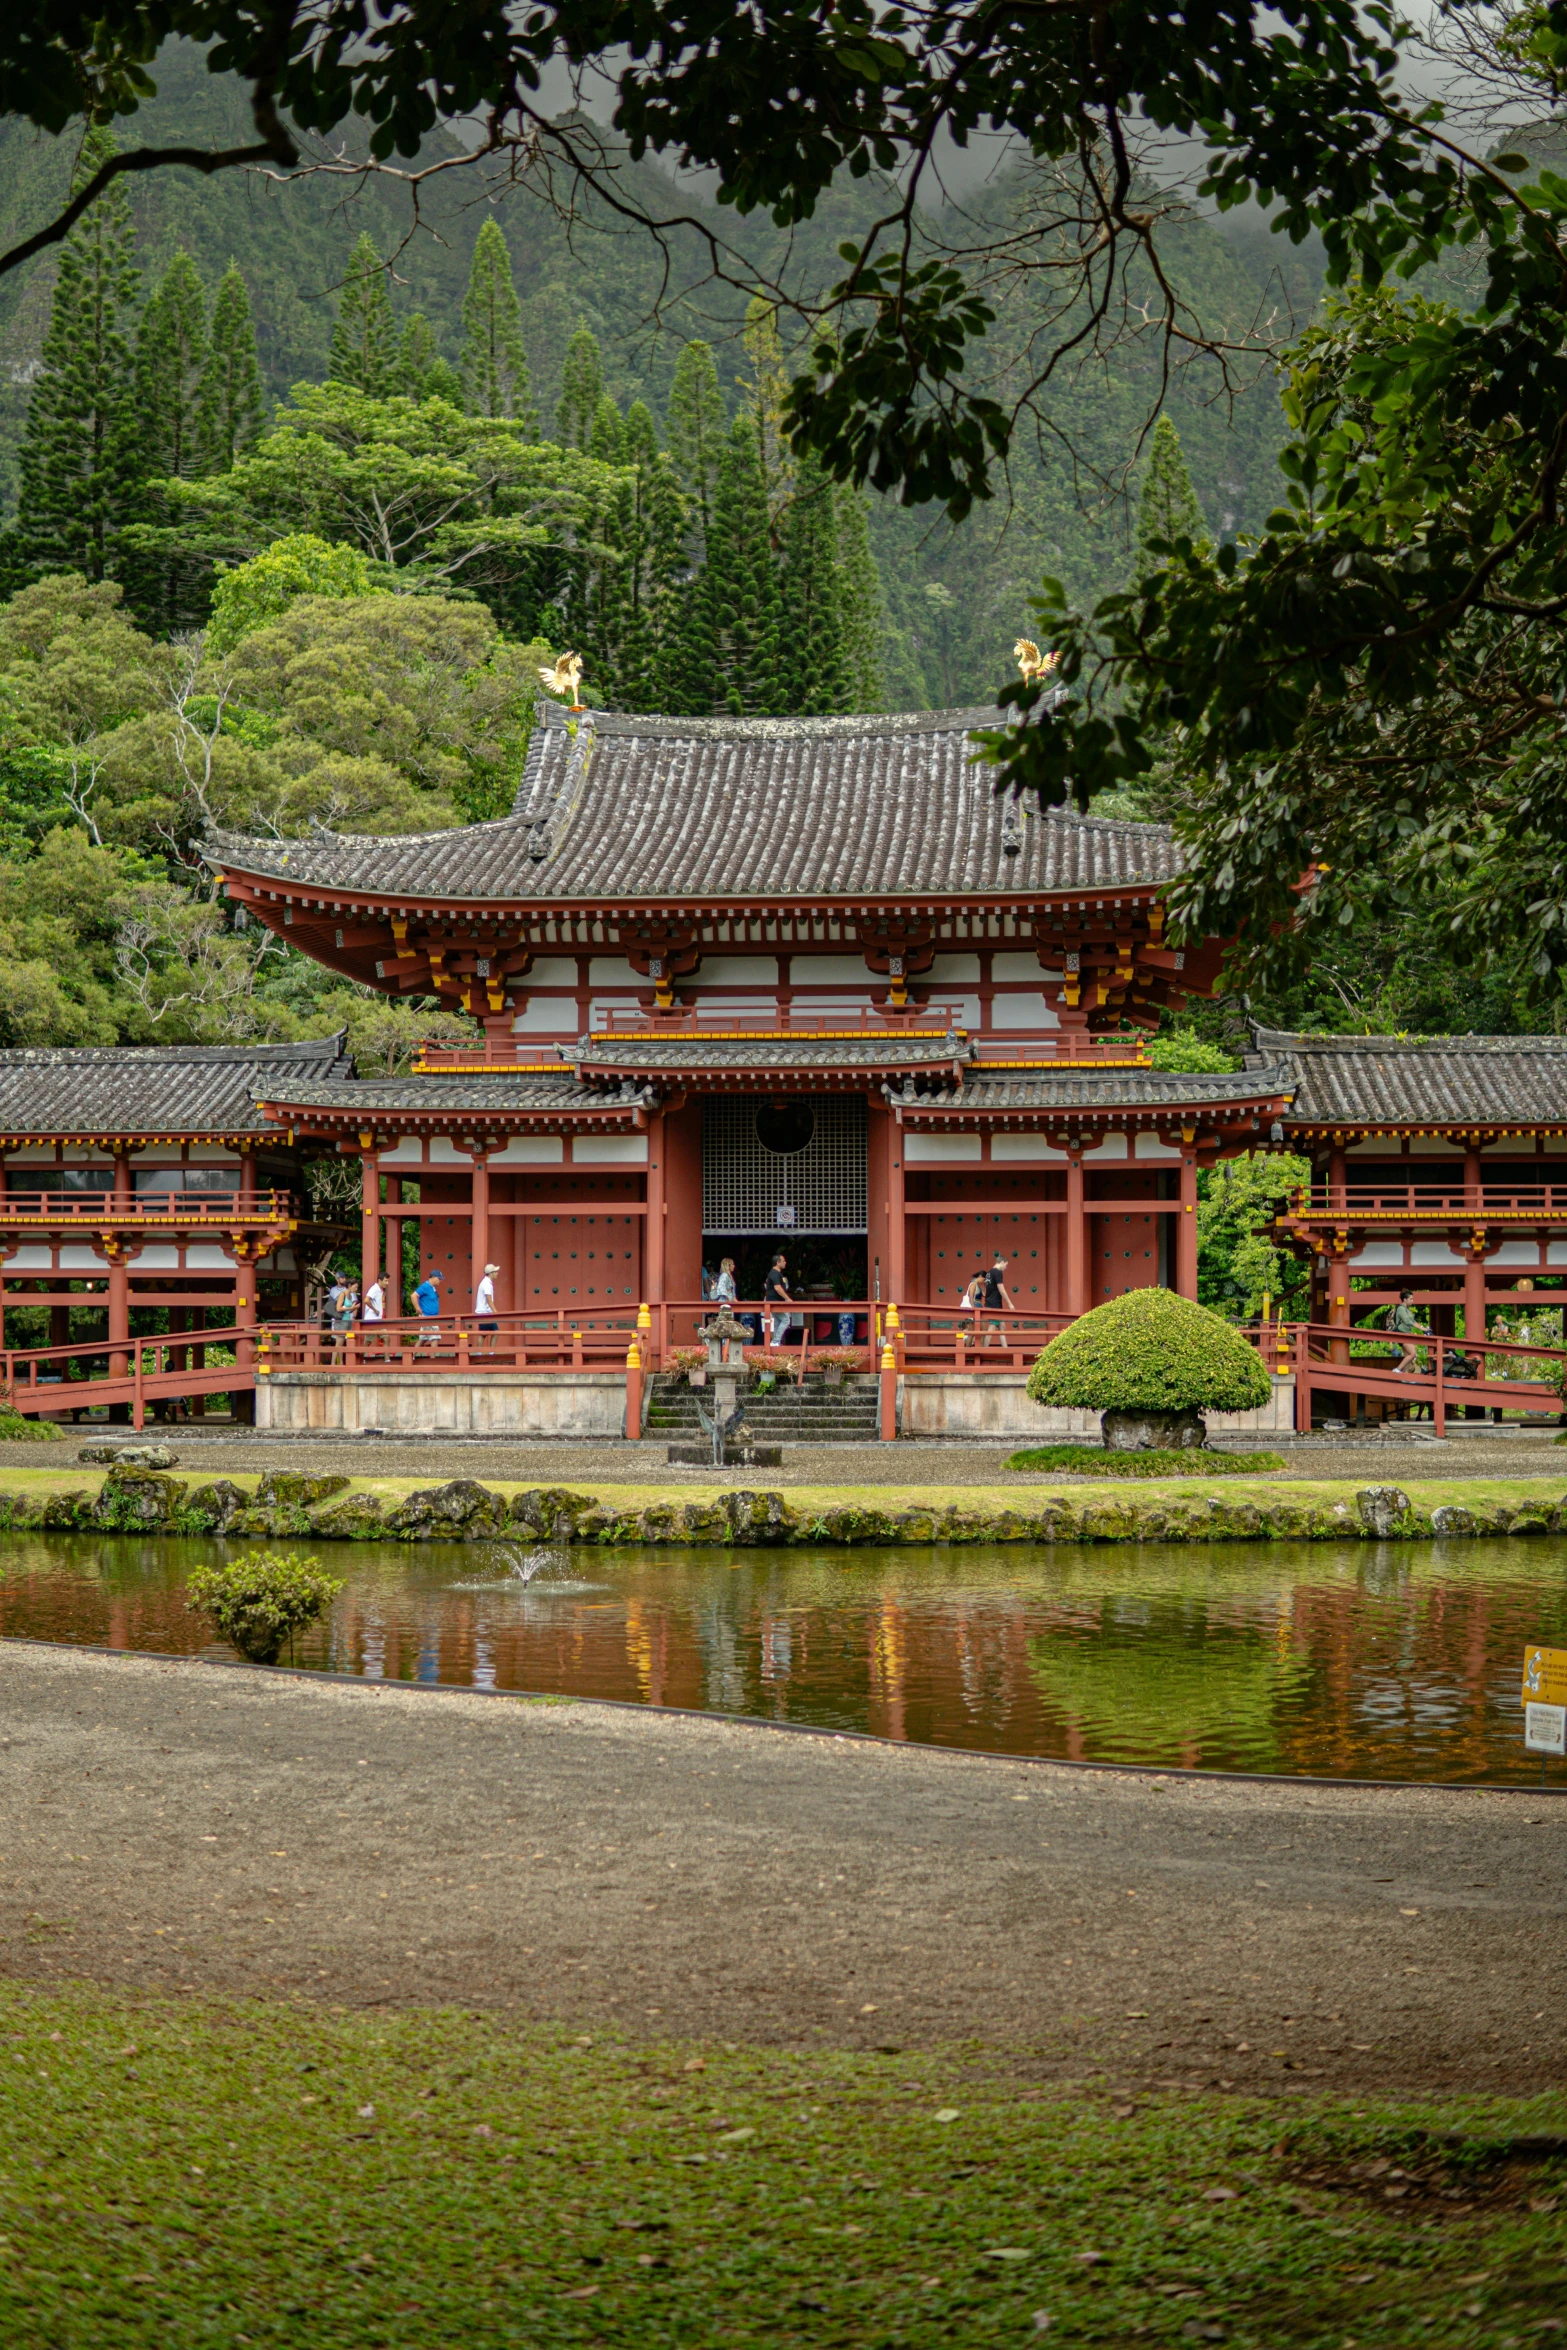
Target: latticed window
(771, 1164)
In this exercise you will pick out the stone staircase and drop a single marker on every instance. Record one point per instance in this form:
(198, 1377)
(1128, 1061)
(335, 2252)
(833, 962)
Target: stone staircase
(812, 1414)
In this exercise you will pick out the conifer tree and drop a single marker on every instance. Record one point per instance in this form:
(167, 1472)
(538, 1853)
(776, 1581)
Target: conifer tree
(80, 470)
(816, 677)
(655, 560)
(494, 365)
(865, 622)
(765, 390)
(422, 374)
(581, 389)
(737, 613)
(172, 355)
(1168, 507)
(364, 339)
(698, 427)
(607, 441)
(230, 407)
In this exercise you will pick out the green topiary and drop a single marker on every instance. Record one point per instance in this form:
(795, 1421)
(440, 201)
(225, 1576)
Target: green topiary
(260, 1600)
(1150, 1351)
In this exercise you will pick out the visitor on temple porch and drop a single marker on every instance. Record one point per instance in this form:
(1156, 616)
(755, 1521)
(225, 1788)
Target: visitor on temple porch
(484, 1304)
(427, 1305)
(373, 1306)
(997, 1299)
(1405, 1322)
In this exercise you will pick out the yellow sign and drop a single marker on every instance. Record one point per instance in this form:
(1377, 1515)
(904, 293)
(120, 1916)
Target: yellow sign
(1544, 1676)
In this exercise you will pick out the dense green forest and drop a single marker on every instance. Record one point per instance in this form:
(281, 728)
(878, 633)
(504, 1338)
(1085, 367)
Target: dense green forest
(957, 597)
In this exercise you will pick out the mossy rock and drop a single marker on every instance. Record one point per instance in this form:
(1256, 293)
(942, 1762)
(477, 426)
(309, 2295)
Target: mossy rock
(1533, 1518)
(356, 1517)
(704, 1521)
(760, 1518)
(460, 1509)
(662, 1521)
(1109, 1521)
(64, 1513)
(251, 1521)
(1451, 1519)
(136, 1501)
(216, 1506)
(548, 1510)
(287, 1489)
(912, 1526)
(1235, 1521)
(1149, 1351)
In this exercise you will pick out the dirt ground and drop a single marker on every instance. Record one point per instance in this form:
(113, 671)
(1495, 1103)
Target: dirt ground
(187, 1827)
(1379, 1461)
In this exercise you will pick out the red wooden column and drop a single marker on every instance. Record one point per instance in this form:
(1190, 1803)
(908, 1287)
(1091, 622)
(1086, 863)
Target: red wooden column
(1076, 1236)
(653, 1246)
(1474, 1265)
(1186, 1223)
(479, 1243)
(369, 1213)
(392, 1280)
(119, 1271)
(897, 1220)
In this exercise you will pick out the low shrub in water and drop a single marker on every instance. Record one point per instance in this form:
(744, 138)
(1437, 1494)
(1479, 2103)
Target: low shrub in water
(259, 1601)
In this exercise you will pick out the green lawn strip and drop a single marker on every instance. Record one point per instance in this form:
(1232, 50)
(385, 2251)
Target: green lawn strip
(181, 2173)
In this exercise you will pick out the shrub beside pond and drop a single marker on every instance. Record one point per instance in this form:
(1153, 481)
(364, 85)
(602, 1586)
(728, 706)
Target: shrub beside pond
(259, 1601)
(1151, 1363)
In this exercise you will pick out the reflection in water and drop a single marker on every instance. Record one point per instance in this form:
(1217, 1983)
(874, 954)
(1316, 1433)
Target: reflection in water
(1372, 1661)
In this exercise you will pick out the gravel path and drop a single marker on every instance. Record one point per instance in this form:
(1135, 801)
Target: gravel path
(190, 1827)
(437, 1457)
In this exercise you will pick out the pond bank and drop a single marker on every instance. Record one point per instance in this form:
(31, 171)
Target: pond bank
(337, 1508)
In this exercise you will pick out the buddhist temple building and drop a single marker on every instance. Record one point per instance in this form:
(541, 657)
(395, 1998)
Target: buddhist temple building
(751, 983)
(730, 986)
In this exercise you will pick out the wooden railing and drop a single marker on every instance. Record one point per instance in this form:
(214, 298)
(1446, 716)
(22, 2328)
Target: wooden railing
(1447, 1374)
(145, 1210)
(1395, 1202)
(54, 1381)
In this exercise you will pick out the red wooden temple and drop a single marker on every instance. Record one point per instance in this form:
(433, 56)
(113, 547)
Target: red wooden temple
(745, 985)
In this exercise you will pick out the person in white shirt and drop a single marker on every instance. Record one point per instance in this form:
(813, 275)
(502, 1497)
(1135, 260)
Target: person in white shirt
(484, 1304)
(373, 1305)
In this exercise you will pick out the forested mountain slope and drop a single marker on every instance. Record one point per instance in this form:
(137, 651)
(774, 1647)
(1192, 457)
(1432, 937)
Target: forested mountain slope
(960, 595)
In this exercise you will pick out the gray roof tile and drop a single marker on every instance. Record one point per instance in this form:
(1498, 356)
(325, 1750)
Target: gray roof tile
(128, 1090)
(672, 809)
(1110, 1089)
(1395, 1081)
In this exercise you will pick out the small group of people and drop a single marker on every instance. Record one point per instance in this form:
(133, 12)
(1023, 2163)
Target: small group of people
(779, 1321)
(343, 1307)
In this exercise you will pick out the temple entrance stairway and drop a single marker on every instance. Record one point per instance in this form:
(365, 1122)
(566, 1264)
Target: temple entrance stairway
(810, 1414)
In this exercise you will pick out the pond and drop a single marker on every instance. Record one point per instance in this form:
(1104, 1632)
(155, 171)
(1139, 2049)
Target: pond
(1391, 1661)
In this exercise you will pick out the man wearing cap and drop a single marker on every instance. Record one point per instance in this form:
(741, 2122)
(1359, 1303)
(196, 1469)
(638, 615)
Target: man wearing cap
(484, 1304)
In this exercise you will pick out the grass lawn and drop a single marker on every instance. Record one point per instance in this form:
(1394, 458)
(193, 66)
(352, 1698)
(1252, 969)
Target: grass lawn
(175, 2173)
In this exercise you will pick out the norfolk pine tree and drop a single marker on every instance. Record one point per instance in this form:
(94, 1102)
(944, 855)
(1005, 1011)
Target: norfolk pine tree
(494, 365)
(736, 614)
(581, 389)
(172, 355)
(364, 339)
(864, 620)
(80, 469)
(1167, 509)
(230, 409)
(815, 674)
(697, 427)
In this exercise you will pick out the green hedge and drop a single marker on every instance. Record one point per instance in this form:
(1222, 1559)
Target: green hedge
(1150, 1351)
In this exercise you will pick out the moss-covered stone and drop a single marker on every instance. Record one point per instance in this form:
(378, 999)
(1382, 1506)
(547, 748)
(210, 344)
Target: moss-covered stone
(249, 1522)
(66, 1513)
(1531, 1519)
(1109, 1521)
(139, 1501)
(356, 1517)
(704, 1521)
(215, 1507)
(549, 1510)
(287, 1489)
(760, 1517)
(1450, 1519)
(460, 1510)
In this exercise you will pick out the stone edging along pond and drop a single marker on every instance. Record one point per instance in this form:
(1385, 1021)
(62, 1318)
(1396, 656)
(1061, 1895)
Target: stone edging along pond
(325, 1509)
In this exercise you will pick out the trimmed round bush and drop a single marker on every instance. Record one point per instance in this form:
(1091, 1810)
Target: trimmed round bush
(1156, 1359)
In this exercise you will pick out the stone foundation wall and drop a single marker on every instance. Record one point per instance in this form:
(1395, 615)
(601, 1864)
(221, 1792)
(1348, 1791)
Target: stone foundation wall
(446, 1403)
(995, 1407)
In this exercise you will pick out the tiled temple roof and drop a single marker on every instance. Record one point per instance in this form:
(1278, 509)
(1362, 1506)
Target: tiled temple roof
(1141, 1090)
(699, 1056)
(1392, 1081)
(461, 1092)
(677, 809)
(130, 1090)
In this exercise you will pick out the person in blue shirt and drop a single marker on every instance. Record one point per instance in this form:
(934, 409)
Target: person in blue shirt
(427, 1305)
